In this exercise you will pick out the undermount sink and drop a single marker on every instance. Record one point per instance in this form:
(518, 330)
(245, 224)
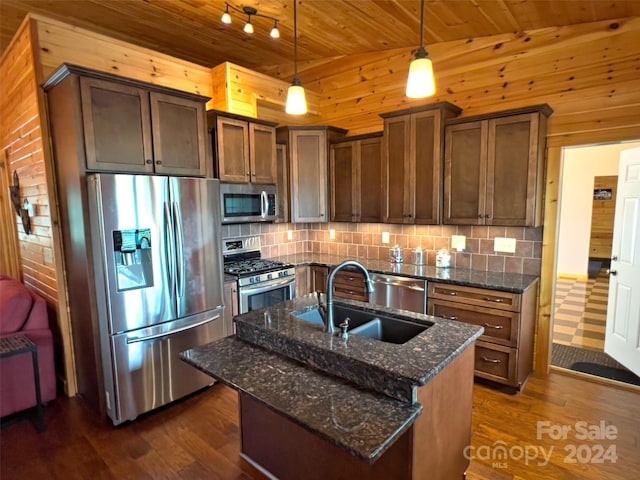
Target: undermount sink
(368, 324)
(340, 313)
(390, 330)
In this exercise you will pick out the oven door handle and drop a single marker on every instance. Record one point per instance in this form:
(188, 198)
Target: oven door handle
(265, 286)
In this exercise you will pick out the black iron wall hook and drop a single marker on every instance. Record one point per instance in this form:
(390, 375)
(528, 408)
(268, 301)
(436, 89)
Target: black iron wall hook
(22, 210)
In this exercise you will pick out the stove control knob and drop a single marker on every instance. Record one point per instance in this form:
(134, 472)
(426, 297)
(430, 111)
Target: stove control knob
(284, 274)
(269, 276)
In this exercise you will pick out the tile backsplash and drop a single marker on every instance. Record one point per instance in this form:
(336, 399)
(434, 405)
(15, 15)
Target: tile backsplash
(365, 240)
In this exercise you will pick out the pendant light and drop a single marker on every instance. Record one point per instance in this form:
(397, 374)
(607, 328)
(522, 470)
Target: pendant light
(296, 100)
(421, 82)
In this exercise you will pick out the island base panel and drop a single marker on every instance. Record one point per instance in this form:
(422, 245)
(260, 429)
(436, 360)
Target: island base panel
(443, 431)
(289, 452)
(433, 447)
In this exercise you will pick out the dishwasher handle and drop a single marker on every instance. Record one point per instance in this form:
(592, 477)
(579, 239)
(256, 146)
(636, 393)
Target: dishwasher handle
(400, 282)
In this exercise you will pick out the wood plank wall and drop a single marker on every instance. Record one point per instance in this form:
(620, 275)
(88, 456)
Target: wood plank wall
(246, 92)
(60, 43)
(588, 73)
(36, 258)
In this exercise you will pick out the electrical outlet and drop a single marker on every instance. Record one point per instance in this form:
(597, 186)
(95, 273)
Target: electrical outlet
(458, 242)
(385, 237)
(332, 234)
(505, 245)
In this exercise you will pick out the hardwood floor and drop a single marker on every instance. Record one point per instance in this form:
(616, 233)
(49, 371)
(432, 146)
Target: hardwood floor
(198, 438)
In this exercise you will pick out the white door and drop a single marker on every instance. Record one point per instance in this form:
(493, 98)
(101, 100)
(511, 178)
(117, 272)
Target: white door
(622, 340)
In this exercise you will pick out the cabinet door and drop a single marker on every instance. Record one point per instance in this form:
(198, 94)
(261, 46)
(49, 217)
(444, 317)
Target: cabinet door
(302, 280)
(427, 142)
(369, 173)
(282, 183)
(318, 280)
(230, 306)
(117, 127)
(465, 173)
(262, 153)
(179, 135)
(396, 140)
(232, 139)
(343, 185)
(308, 176)
(512, 170)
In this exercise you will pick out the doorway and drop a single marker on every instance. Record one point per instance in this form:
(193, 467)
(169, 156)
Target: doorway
(588, 182)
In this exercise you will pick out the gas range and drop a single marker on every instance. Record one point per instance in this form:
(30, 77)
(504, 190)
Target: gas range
(242, 259)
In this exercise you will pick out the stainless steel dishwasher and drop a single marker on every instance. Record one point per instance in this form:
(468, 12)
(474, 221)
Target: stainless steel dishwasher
(399, 292)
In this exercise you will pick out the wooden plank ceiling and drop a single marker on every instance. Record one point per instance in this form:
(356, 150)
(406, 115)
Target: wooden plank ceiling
(192, 30)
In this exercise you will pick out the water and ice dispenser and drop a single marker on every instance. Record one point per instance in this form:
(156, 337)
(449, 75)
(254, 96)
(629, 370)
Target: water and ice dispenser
(133, 261)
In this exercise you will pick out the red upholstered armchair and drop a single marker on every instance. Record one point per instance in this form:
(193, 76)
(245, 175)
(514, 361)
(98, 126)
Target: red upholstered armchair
(22, 311)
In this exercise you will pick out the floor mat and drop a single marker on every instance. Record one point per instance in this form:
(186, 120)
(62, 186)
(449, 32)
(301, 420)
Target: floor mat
(565, 356)
(606, 372)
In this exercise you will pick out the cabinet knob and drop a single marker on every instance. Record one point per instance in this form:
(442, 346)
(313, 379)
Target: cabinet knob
(480, 215)
(148, 161)
(488, 215)
(158, 162)
(253, 174)
(614, 258)
(322, 214)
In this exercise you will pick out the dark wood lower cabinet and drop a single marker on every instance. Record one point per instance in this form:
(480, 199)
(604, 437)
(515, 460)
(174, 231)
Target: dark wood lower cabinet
(432, 448)
(504, 353)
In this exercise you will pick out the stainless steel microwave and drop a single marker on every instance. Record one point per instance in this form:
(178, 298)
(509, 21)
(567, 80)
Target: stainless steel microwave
(246, 202)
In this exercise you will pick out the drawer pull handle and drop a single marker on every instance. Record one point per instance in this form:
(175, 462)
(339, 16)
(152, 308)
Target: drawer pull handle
(491, 299)
(496, 327)
(452, 317)
(491, 360)
(453, 294)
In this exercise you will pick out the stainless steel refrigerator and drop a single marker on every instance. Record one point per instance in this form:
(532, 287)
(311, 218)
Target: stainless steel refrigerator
(158, 273)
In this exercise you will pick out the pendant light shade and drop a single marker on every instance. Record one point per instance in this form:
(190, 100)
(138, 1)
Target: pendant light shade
(296, 99)
(421, 82)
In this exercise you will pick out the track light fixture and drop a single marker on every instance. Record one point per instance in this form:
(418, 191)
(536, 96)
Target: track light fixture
(249, 12)
(421, 82)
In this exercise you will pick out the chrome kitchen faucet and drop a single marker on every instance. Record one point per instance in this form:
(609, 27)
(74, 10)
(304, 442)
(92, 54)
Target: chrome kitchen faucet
(328, 316)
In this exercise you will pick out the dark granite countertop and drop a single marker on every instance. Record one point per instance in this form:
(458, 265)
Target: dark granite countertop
(507, 282)
(392, 369)
(360, 422)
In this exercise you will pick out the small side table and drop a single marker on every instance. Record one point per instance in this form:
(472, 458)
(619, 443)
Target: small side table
(19, 344)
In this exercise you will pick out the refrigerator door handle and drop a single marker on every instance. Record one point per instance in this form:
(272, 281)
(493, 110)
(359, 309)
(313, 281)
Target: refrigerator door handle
(170, 245)
(179, 249)
(264, 204)
(171, 332)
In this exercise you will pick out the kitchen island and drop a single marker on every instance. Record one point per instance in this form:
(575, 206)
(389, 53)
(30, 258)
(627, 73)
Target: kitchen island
(315, 405)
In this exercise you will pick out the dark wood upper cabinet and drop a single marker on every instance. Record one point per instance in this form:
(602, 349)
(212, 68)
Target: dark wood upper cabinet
(132, 128)
(356, 179)
(308, 151)
(179, 135)
(244, 148)
(494, 167)
(282, 183)
(412, 163)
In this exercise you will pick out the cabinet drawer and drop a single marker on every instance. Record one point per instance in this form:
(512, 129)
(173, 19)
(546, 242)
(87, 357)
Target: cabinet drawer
(496, 362)
(350, 284)
(499, 326)
(475, 296)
